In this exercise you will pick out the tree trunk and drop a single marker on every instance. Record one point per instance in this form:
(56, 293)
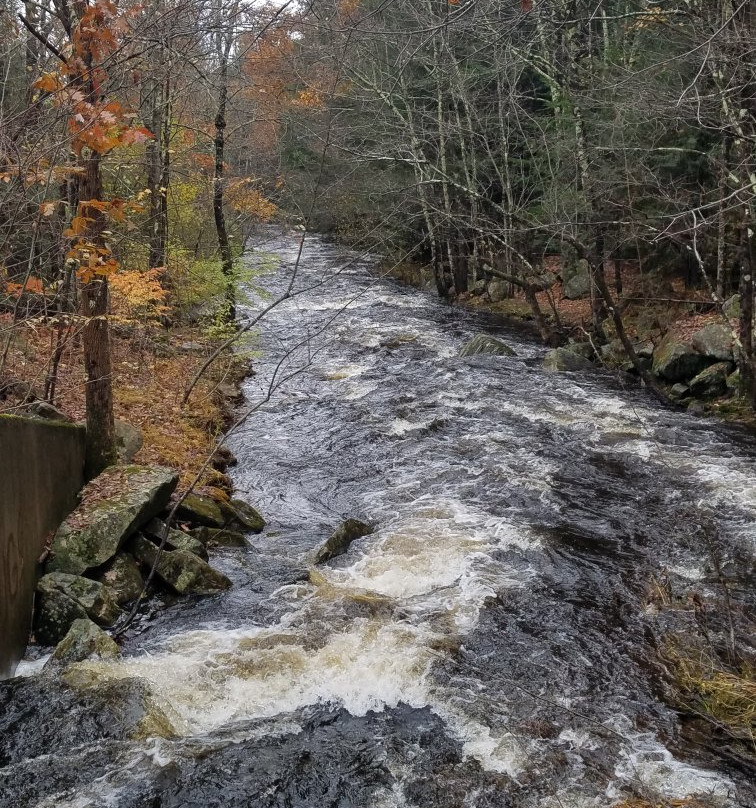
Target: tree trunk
(224, 245)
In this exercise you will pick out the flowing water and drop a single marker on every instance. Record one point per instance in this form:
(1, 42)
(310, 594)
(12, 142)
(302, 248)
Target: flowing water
(491, 644)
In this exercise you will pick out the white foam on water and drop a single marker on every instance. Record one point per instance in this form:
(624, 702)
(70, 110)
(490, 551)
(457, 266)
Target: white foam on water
(31, 667)
(207, 679)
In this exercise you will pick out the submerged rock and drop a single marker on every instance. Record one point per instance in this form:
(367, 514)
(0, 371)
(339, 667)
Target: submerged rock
(180, 569)
(95, 531)
(339, 541)
(715, 340)
(200, 510)
(483, 344)
(712, 381)
(677, 360)
(123, 577)
(566, 358)
(64, 598)
(85, 639)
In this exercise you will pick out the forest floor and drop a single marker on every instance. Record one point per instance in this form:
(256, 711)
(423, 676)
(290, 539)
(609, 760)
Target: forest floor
(152, 365)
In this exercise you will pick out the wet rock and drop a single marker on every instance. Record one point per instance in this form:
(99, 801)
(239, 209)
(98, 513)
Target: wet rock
(577, 280)
(176, 539)
(483, 344)
(696, 408)
(123, 577)
(677, 360)
(200, 510)
(95, 531)
(715, 340)
(239, 515)
(64, 598)
(219, 536)
(498, 291)
(339, 541)
(679, 390)
(85, 639)
(129, 440)
(180, 569)
(565, 358)
(712, 381)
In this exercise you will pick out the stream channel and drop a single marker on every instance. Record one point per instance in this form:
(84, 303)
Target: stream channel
(491, 644)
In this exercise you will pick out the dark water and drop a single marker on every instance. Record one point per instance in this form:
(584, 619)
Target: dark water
(492, 644)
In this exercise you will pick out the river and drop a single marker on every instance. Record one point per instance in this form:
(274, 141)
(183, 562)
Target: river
(493, 643)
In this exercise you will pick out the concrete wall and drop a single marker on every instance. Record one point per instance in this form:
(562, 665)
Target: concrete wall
(41, 471)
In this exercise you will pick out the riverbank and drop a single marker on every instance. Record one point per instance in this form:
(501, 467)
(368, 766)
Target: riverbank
(152, 366)
(683, 322)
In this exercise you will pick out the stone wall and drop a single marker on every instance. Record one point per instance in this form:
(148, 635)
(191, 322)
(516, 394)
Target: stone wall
(41, 472)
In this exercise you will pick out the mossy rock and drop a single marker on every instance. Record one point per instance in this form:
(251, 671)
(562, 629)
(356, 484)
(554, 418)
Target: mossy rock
(63, 598)
(340, 540)
(181, 570)
(96, 530)
(219, 536)
(239, 515)
(175, 539)
(200, 510)
(677, 360)
(566, 359)
(712, 381)
(123, 578)
(85, 639)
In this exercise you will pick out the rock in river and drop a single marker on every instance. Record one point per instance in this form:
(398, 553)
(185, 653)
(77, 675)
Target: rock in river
(200, 510)
(341, 538)
(123, 577)
(566, 358)
(85, 639)
(240, 515)
(180, 569)
(483, 344)
(63, 598)
(95, 531)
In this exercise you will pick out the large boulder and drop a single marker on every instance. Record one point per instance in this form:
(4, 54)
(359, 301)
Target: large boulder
(339, 541)
(712, 381)
(85, 639)
(483, 344)
(566, 358)
(239, 515)
(677, 360)
(115, 505)
(123, 578)
(180, 569)
(715, 340)
(576, 279)
(63, 598)
(175, 539)
(200, 510)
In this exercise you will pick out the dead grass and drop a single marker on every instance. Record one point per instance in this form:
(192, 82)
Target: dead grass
(725, 695)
